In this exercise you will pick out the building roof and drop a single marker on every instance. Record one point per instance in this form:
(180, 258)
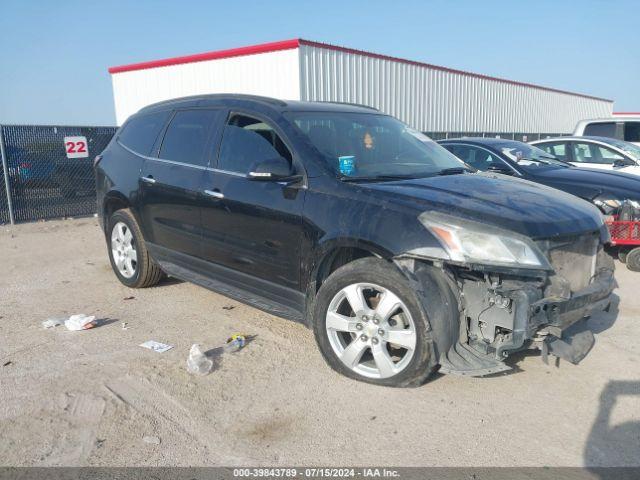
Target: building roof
(297, 42)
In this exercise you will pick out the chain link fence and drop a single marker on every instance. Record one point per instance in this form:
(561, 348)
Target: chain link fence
(49, 171)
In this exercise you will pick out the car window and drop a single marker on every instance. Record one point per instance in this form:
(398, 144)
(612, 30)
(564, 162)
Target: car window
(558, 149)
(601, 129)
(371, 145)
(247, 140)
(478, 158)
(140, 133)
(187, 136)
(632, 131)
(609, 155)
(591, 153)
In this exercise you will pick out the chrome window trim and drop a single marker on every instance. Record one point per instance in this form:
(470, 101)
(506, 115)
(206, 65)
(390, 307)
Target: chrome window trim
(182, 164)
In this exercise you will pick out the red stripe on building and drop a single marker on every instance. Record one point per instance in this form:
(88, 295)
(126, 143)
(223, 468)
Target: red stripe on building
(296, 42)
(201, 57)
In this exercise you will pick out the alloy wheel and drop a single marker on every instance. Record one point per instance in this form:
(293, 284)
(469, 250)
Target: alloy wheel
(123, 250)
(371, 330)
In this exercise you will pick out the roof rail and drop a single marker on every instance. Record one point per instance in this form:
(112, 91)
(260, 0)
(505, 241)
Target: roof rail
(351, 104)
(213, 96)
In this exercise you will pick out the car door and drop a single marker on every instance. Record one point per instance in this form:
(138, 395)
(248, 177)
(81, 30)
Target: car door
(171, 184)
(249, 226)
(592, 155)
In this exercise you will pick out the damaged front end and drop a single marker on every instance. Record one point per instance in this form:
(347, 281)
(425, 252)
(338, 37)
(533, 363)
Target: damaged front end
(540, 302)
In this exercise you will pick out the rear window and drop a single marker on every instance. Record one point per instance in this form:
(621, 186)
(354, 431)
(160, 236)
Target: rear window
(632, 131)
(601, 129)
(140, 133)
(187, 136)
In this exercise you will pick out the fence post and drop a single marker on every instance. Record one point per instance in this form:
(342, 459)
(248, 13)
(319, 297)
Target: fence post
(5, 169)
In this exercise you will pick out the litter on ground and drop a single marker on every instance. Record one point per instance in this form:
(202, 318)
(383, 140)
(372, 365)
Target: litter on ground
(74, 322)
(156, 346)
(80, 322)
(235, 342)
(52, 322)
(197, 362)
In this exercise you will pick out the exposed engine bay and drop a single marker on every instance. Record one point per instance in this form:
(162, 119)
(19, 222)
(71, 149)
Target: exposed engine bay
(502, 312)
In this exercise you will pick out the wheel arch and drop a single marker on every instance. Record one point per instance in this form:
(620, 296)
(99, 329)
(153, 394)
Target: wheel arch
(332, 255)
(113, 201)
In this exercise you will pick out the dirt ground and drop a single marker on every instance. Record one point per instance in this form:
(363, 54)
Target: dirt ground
(91, 397)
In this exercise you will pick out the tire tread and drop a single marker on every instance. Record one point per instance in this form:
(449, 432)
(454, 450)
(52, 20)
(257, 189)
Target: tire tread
(149, 273)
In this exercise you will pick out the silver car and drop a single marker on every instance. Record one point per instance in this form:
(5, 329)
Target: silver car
(601, 153)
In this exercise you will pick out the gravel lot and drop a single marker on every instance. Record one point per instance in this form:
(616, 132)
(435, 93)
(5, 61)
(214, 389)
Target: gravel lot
(90, 397)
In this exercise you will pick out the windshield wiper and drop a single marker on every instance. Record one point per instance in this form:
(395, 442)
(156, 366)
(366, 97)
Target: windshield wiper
(377, 178)
(454, 171)
(548, 161)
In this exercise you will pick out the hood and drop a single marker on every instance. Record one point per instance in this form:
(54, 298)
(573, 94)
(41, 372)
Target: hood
(518, 205)
(589, 183)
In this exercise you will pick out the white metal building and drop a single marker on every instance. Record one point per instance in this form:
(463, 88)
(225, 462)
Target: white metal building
(427, 97)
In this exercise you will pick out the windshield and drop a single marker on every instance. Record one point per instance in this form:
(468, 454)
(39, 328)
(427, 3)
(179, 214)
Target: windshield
(528, 156)
(361, 145)
(629, 148)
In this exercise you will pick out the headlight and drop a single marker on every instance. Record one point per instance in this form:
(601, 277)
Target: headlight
(473, 242)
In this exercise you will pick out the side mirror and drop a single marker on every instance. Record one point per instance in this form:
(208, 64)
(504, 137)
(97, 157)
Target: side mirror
(499, 168)
(622, 162)
(271, 170)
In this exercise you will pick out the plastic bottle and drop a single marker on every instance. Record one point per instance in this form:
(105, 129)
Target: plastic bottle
(198, 363)
(234, 343)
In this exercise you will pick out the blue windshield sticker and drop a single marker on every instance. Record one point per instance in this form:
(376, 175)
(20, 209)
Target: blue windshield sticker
(347, 165)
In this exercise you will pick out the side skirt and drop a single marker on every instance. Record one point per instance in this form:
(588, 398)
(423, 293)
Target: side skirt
(256, 292)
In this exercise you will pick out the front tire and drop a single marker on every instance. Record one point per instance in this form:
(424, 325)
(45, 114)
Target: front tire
(370, 325)
(128, 253)
(633, 260)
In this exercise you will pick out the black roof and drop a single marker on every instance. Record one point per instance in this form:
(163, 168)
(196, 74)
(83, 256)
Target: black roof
(265, 102)
(480, 140)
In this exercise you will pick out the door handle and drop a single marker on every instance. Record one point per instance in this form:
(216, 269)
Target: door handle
(214, 193)
(148, 179)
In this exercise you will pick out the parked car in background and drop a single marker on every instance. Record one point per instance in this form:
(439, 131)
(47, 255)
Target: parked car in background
(518, 159)
(27, 169)
(73, 176)
(47, 166)
(626, 128)
(594, 152)
(366, 230)
(612, 192)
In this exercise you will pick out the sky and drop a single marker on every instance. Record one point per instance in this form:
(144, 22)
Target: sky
(54, 54)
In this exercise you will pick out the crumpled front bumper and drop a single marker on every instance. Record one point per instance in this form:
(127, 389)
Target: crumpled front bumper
(549, 319)
(567, 335)
(527, 315)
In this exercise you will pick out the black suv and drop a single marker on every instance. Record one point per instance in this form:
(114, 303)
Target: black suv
(398, 256)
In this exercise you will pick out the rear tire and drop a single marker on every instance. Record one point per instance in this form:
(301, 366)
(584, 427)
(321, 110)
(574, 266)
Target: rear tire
(385, 339)
(128, 252)
(622, 255)
(633, 260)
